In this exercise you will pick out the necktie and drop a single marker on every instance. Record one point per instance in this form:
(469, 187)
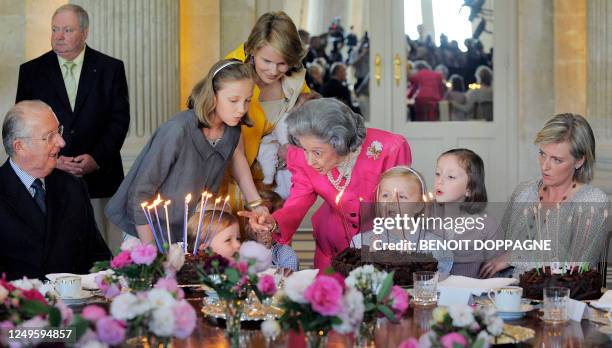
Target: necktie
(70, 82)
(39, 195)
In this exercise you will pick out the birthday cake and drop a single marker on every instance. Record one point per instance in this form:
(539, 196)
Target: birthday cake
(188, 274)
(583, 285)
(402, 263)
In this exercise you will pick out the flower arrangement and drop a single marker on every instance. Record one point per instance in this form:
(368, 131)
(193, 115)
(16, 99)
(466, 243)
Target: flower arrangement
(233, 281)
(139, 264)
(319, 303)
(156, 315)
(460, 326)
(22, 304)
(380, 298)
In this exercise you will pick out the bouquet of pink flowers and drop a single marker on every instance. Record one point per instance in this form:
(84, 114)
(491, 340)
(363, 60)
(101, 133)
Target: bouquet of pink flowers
(158, 314)
(22, 304)
(235, 279)
(316, 304)
(460, 326)
(140, 264)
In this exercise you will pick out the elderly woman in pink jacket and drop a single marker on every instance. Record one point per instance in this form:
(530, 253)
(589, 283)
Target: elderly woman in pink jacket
(333, 153)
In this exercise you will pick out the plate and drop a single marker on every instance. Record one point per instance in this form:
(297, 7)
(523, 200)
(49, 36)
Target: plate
(514, 334)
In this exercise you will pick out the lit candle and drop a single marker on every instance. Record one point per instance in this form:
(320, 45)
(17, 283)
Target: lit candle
(212, 217)
(344, 224)
(399, 211)
(203, 202)
(185, 213)
(157, 202)
(152, 226)
(220, 215)
(431, 197)
(166, 204)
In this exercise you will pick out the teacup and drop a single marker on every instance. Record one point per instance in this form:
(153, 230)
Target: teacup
(68, 286)
(507, 299)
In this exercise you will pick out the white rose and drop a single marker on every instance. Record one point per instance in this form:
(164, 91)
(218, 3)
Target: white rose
(129, 243)
(122, 306)
(461, 314)
(253, 251)
(296, 284)
(486, 339)
(160, 298)
(162, 322)
(176, 257)
(3, 293)
(27, 284)
(270, 328)
(495, 326)
(352, 312)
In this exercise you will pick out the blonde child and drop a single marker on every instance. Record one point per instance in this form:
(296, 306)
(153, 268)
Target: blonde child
(400, 191)
(460, 187)
(224, 238)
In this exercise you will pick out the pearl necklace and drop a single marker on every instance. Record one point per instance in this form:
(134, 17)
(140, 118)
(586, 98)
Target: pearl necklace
(344, 171)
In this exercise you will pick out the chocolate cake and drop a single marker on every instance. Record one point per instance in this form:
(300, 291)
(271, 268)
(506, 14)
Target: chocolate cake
(402, 263)
(188, 274)
(583, 285)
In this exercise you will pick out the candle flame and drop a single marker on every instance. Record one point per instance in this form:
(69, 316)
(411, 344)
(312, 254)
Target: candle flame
(431, 197)
(158, 199)
(188, 198)
(167, 203)
(218, 200)
(360, 199)
(339, 196)
(227, 198)
(424, 198)
(144, 204)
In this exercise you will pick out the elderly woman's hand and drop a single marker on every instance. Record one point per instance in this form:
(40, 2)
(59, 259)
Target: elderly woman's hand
(260, 219)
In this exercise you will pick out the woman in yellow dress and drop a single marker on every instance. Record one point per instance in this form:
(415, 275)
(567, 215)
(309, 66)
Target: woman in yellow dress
(275, 52)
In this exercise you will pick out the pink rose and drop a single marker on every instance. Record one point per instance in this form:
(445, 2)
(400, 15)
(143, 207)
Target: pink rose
(108, 289)
(144, 254)
(400, 300)
(110, 331)
(267, 285)
(33, 295)
(243, 267)
(409, 343)
(93, 313)
(123, 259)
(184, 319)
(66, 312)
(452, 339)
(325, 295)
(170, 284)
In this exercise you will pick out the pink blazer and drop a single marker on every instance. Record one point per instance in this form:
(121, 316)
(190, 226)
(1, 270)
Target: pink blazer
(381, 150)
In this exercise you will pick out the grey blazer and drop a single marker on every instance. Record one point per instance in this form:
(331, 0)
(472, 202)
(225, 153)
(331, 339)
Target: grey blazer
(176, 161)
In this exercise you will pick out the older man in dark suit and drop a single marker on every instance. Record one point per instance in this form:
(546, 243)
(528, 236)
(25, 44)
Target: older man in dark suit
(88, 92)
(47, 220)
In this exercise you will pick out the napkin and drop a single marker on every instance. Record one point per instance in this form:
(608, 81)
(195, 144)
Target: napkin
(477, 286)
(454, 296)
(88, 281)
(605, 302)
(575, 309)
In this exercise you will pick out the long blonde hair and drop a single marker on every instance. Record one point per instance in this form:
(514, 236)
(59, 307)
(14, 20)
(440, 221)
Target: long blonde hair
(202, 98)
(277, 30)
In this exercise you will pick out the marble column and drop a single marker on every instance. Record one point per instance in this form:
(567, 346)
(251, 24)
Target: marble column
(144, 34)
(599, 88)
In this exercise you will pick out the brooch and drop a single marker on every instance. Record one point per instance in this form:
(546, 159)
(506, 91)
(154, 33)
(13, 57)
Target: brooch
(374, 150)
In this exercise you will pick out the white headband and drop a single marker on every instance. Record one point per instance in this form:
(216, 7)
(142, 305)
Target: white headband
(417, 174)
(232, 62)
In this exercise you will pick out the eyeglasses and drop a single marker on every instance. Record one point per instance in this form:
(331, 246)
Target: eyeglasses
(49, 137)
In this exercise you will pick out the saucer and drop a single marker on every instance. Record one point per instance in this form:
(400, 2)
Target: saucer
(512, 315)
(82, 297)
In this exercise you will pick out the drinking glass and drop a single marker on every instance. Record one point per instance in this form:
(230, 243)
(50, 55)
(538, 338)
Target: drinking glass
(425, 288)
(555, 304)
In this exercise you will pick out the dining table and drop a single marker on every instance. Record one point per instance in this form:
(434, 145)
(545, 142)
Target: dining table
(210, 333)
